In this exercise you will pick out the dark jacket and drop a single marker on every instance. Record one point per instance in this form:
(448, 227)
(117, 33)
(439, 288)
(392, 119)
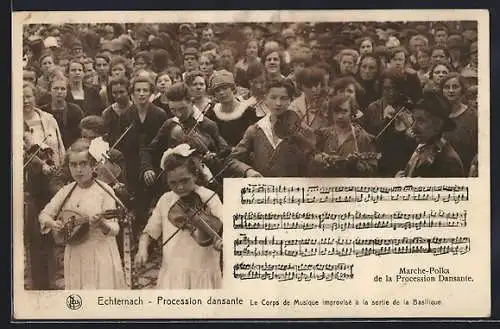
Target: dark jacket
(205, 137)
(438, 159)
(68, 121)
(91, 104)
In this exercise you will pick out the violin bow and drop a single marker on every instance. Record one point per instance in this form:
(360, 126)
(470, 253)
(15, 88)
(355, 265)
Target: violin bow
(198, 117)
(122, 136)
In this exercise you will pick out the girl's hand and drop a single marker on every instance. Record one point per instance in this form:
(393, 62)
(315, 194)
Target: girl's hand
(141, 258)
(96, 219)
(55, 225)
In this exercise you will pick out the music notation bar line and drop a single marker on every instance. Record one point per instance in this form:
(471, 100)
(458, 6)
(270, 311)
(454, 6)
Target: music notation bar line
(359, 247)
(358, 220)
(281, 194)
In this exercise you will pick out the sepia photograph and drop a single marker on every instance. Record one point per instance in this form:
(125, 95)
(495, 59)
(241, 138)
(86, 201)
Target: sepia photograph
(131, 131)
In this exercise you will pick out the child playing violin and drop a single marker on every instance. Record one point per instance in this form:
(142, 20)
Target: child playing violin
(188, 262)
(93, 262)
(344, 149)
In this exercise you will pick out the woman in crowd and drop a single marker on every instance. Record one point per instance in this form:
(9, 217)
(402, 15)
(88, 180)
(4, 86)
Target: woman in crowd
(67, 115)
(195, 81)
(162, 83)
(87, 98)
(44, 127)
(464, 138)
(231, 118)
(144, 120)
(208, 64)
(436, 74)
(274, 63)
(368, 74)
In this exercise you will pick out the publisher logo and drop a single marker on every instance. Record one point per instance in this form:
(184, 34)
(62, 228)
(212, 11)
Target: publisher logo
(74, 302)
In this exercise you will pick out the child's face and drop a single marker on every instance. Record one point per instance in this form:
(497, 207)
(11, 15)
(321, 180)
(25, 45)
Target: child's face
(277, 100)
(80, 167)
(181, 181)
(89, 134)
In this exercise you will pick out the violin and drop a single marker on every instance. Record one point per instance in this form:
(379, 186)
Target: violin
(105, 170)
(42, 156)
(403, 122)
(288, 126)
(204, 228)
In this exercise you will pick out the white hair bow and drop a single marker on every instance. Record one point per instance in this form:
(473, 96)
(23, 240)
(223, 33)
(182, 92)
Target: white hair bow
(98, 149)
(181, 149)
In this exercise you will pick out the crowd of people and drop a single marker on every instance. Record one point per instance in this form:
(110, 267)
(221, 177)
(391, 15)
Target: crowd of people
(183, 106)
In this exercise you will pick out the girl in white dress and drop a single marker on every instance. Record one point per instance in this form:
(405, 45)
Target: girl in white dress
(95, 262)
(186, 264)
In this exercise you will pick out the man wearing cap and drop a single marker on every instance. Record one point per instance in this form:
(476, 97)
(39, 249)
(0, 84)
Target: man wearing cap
(434, 156)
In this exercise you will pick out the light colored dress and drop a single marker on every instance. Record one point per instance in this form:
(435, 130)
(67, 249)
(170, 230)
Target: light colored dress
(185, 264)
(95, 263)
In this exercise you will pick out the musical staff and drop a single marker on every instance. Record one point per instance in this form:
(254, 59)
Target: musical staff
(297, 272)
(358, 220)
(270, 194)
(359, 247)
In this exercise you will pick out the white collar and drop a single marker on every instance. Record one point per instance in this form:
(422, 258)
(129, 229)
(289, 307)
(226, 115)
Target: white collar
(265, 125)
(235, 114)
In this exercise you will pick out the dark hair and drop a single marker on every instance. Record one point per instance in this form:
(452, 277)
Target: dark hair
(191, 76)
(254, 71)
(177, 92)
(173, 72)
(375, 57)
(118, 81)
(193, 166)
(94, 123)
(397, 50)
(309, 77)
(342, 83)
(281, 83)
(444, 63)
(117, 61)
(139, 79)
(460, 78)
(103, 56)
(437, 47)
(338, 100)
(145, 55)
(269, 51)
